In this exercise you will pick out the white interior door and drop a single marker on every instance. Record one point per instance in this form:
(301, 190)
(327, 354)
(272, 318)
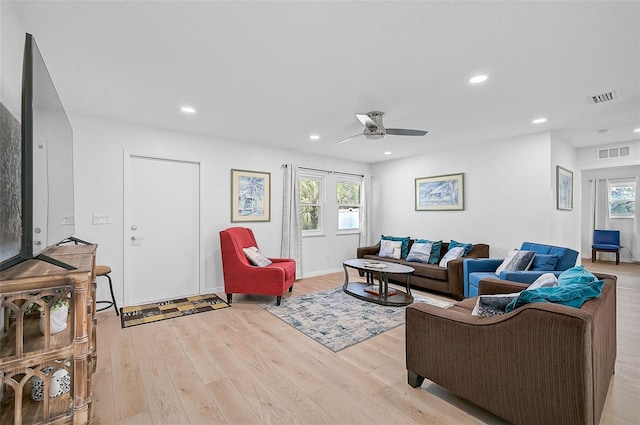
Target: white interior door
(162, 247)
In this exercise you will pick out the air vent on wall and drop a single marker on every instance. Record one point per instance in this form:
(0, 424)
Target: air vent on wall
(604, 97)
(613, 152)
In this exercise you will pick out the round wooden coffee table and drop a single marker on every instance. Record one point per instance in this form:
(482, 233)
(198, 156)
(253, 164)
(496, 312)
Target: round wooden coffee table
(378, 292)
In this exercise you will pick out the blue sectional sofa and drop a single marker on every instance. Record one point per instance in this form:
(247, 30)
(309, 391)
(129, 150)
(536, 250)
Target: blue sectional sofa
(548, 259)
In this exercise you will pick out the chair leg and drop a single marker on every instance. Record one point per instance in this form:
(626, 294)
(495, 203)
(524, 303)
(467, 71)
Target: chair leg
(414, 379)
(229, 296)
(617, 257)
(291, 288)
(593, 255)
(113, 297)
(278, 300)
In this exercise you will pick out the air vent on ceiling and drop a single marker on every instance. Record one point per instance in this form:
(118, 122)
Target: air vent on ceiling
(604, 97)
(613, 152)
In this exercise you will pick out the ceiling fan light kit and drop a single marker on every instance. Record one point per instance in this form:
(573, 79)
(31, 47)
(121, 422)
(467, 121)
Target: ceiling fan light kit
(374, 129)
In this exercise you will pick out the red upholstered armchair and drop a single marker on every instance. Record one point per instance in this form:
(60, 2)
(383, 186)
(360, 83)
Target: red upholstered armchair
(240, 277)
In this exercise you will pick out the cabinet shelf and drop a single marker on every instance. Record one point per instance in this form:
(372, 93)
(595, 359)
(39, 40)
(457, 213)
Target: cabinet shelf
(25, 352)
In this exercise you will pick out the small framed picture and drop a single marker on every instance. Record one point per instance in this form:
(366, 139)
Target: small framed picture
(564, 188)
(250, 196)
(440, 193)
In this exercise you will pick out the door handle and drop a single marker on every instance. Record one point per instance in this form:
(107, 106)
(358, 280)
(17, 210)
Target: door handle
(136, 238)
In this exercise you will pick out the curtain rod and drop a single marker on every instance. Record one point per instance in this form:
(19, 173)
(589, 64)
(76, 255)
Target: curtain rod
(326, 171)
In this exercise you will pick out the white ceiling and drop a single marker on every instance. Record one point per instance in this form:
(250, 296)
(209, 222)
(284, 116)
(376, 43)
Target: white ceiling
(274, 72)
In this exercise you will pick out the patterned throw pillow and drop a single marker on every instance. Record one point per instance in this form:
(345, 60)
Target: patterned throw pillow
(255, 257)
(544, 281)
(452, 254)
(405, 243)
(420, 252)
(516, 261)
(436, 246)
(390, 249)
(467, 246)
(493, 305)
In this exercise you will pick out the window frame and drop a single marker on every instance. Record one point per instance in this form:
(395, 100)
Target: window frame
(320, 205)
(617, 183)
(349, 180)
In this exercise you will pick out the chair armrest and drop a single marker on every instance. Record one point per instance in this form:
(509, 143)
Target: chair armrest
(368, 250)
(281, 260)
(455, 275)
(472, 265)
(498, 286)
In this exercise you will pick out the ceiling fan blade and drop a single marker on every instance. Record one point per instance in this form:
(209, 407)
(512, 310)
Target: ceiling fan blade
(406, 132)
(348, 138)
(366, 121)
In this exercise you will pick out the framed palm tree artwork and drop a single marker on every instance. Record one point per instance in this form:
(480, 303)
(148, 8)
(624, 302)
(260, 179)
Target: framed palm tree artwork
(250, 196)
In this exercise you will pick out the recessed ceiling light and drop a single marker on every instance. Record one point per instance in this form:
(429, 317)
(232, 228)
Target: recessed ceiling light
(188, 109)
(539, 121)
(603, 131)
(314, 137)
(387, 153)
(637, 130)
(476, 79)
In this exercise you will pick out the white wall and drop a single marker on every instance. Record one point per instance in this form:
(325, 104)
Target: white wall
(565, 225)
(509, 189)
(98, 151)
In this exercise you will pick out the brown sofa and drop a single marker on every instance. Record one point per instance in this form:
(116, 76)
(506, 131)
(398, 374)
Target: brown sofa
(542, 363)
(449, 280)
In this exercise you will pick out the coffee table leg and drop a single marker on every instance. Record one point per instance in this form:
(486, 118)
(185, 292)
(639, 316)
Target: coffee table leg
(346, 278)
(406, 284)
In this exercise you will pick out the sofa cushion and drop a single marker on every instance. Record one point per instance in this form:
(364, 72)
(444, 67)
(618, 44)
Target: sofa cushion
(452, 254)
(405, 243)
(255, 257)
(544, 262)
(545, 280)
(467, 246)
(432, 271)
(517, 260)
(434, 257)
(390, 249)
(419, 252)
(474, 281)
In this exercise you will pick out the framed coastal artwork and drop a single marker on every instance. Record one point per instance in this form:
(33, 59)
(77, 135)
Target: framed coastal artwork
(564, 188)
(250, 196)
(440, 193)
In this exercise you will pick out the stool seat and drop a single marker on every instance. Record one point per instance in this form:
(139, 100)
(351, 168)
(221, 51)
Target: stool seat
(102, 270)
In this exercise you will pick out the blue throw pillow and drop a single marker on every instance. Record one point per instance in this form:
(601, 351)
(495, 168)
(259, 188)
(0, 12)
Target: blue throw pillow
(436, 246)
(467, 246)
(544, 262)
(572, 295)
(405, 244)
(577, 274)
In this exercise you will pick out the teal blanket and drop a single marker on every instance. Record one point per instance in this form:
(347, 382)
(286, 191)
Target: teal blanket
(577, 287)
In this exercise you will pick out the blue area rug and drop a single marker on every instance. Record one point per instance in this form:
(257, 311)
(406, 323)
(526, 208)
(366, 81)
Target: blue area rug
(337, 320)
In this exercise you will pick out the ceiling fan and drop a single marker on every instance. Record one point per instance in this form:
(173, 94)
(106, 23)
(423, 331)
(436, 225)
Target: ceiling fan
(374, 129)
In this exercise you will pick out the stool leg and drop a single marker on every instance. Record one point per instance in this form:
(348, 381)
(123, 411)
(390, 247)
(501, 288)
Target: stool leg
(113, 298)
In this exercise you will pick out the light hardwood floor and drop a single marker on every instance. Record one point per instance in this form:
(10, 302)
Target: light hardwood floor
(242, 365)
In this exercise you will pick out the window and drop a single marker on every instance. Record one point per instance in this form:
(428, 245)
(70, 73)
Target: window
(348, 193)
(622, 199)
(311, 189)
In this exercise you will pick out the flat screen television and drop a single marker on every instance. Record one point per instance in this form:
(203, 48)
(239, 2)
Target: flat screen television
(46, 176)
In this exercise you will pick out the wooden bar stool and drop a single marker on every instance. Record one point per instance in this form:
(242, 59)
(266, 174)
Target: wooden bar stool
(104, 271)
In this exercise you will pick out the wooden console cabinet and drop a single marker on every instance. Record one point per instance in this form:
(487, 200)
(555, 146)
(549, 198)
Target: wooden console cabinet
(25, 352)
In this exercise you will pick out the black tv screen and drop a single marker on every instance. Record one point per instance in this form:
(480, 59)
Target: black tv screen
(47, 190)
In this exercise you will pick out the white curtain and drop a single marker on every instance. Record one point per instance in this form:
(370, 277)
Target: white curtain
(365, 213)
(291, 246)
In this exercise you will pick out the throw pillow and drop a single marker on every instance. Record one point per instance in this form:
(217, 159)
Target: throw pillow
(452, 254)
(436, 246)
(405, 243)
(544, 281)
(255, 257)
(517, 260)
(544, 262)
(390, 249)
(420, 252)
(467, 246)
(492, 305)
(577, 274)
